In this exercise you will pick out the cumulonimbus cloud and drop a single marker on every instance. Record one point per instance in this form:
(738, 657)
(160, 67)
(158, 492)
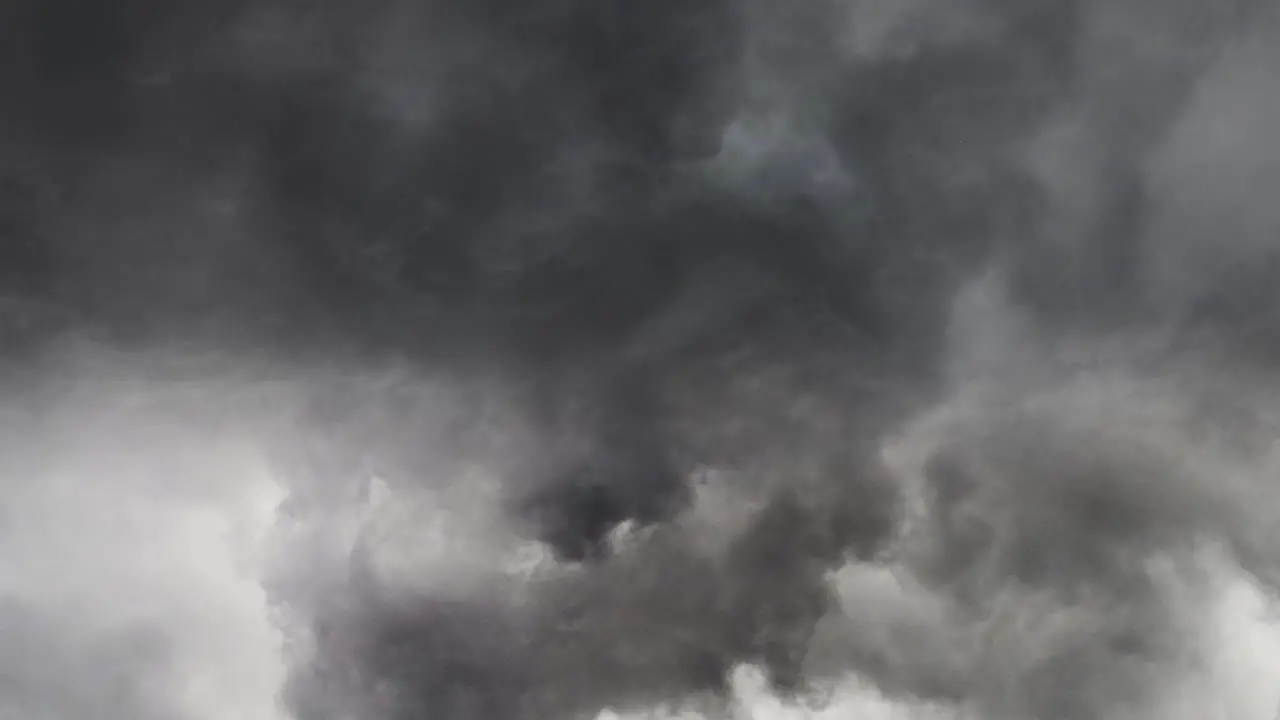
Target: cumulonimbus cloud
(560, 359)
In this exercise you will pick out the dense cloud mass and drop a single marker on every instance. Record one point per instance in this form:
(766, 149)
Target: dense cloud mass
(608, 359)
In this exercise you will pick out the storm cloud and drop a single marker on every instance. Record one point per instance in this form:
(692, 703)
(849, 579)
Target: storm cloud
(502, 360)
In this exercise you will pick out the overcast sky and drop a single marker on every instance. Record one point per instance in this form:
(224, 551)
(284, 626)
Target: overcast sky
(558, 359)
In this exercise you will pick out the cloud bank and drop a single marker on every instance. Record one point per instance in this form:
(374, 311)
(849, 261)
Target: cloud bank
(563, 359)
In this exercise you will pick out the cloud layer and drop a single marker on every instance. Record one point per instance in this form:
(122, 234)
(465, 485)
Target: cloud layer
(563, 359)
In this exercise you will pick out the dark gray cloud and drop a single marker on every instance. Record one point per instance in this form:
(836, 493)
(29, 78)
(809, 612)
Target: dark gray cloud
(600, 350)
